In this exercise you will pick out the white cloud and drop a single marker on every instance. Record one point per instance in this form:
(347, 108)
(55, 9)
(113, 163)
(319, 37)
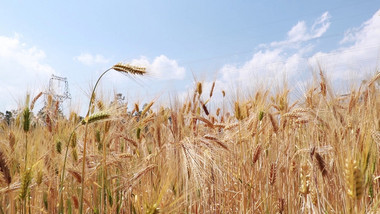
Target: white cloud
(361, 55)
(89, 59)
(162, 67)
(301, 33)
(22, 67)
(18, 53)
(263, 63)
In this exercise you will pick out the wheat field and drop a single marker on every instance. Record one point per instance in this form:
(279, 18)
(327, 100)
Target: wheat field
(260, 154)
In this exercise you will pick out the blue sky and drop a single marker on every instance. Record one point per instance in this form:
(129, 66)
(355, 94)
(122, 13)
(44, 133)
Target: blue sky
(234, 43)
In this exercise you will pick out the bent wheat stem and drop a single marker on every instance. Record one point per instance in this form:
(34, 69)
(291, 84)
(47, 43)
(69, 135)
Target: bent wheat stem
(122, 68)
(85, 142)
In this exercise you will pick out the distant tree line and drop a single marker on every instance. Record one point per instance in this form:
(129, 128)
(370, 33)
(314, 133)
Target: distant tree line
(8, 117)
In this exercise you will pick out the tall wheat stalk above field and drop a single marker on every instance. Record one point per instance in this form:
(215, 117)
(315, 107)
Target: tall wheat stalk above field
(122, 68)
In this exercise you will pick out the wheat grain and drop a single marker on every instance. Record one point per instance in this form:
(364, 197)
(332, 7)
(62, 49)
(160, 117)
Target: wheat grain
(280, 205)
(354, 179)
(5, 169)
(35, 100)
(76, 175)
(374, 79)
(376, 137)
(231, 126)
(146, 109)
(26, 180)
(256, 154)
(305, 179)
(273, 173)
(212, 88)
(216, 140)
(11, 140)
(96, 117)
(205, 108)
(273, 122)
(199, 88)
(321, 163)
(129, 69)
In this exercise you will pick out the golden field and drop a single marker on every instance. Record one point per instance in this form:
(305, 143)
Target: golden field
(258, 154)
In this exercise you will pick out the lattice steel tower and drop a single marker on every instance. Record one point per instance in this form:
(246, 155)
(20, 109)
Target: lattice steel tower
(59, 88)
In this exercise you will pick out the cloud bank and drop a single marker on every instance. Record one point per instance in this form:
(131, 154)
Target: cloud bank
(279, 58)
(357, 54)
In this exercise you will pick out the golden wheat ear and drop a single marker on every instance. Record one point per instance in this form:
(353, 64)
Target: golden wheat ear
(199, 88)
(4, 169)
(305, 179)
(129, 69)
(354, 179)
(212, 89)
(374, 79)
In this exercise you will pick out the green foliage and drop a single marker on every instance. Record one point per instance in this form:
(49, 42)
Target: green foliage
(26, 119)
